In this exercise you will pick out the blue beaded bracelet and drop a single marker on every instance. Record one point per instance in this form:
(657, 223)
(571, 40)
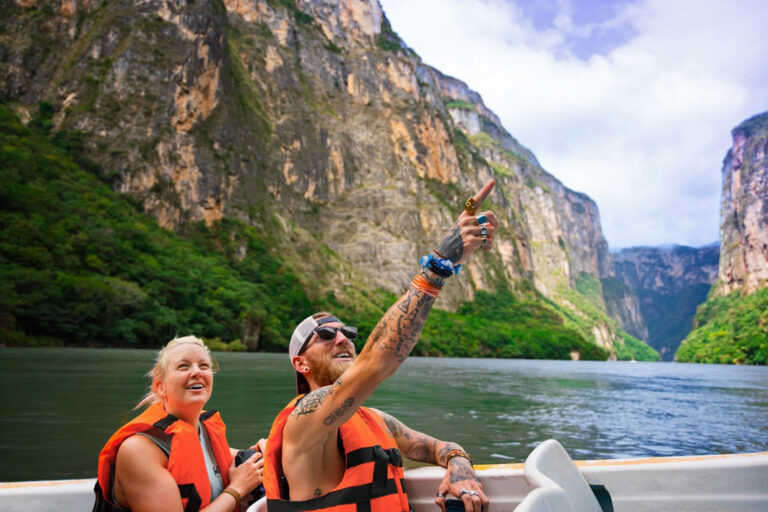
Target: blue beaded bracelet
(442, 267)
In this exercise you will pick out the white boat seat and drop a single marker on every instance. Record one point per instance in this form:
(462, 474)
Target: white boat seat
(550, 468)
(545, 499)
(259, 505)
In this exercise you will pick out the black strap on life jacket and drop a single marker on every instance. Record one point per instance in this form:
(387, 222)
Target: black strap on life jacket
(194, 501)
(166, 422)
(360, 494)
(381, 459)
(102, 504)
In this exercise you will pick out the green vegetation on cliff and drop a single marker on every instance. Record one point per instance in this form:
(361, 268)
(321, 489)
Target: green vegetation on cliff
(501, 325)
(82, 265)
(729, 329)
(587, 298)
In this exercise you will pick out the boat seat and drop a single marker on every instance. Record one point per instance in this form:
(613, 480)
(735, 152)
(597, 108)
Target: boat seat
(551, 470)
(545, 499)
(259, 505)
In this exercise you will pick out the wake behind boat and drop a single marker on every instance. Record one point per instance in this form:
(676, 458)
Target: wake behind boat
(548, 481)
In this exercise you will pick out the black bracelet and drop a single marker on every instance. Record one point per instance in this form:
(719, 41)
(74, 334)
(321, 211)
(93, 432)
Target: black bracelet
(442, 272)
(436, 282)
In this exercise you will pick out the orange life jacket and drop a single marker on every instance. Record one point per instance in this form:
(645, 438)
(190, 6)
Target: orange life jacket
(186, 462)
(373, 480)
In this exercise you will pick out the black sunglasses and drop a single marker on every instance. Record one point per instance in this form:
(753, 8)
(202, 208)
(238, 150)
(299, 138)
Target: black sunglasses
(329, 333)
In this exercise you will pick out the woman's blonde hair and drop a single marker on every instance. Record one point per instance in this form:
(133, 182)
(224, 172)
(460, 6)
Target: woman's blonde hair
(157, 372)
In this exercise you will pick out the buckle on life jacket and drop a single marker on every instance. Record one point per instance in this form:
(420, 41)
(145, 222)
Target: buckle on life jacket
(382, 459)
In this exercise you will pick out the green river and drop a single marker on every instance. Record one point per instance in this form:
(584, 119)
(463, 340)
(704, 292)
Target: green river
(61, 405)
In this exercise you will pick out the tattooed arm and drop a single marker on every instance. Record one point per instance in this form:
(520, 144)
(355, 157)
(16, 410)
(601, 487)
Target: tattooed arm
(392, 340)
(420, 447)
(310, 432)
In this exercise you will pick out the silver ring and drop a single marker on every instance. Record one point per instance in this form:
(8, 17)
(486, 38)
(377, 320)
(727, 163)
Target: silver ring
(481, 219)
(463, 492)
(485, 241)
(473, 493)
(441, 494)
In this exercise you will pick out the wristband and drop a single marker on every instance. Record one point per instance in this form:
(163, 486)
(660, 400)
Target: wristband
(232, 493)
(457, 453)
(443, 267)
(424, 286)
(434, 280)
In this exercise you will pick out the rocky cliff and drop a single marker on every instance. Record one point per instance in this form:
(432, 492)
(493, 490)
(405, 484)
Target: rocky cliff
(744, 209)
(670, 283)
(311, 119)
(732, 325)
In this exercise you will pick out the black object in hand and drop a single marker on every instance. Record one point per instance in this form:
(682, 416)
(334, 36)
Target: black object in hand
(454, 505)
(242, 456)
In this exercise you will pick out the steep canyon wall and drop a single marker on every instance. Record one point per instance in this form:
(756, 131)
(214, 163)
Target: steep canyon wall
(312, 118)
(732, 325)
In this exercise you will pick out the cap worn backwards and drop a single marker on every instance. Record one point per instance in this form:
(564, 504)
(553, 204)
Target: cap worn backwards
(299, 338)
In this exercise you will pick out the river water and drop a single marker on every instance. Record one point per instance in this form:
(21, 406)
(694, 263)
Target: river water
(61, 405)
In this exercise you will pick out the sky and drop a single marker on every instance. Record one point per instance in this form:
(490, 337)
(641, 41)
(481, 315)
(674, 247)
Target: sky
(629, 101)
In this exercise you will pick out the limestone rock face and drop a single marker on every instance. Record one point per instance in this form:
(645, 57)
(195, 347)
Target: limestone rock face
(744, 209)
(313, 112)
(670, 283)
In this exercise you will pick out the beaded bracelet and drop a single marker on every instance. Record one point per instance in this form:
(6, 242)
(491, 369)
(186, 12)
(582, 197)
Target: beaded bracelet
(421, 284)
(443, 267)
(457, 453)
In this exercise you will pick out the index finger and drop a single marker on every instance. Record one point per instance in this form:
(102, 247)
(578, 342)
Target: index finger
(483, 193)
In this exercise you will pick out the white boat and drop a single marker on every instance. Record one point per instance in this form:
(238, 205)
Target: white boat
(548, 481)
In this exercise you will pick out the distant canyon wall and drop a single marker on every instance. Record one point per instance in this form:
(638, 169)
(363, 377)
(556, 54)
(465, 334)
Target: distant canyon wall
(670, 283)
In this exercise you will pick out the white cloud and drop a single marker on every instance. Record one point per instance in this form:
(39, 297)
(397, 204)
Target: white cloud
(641, 128)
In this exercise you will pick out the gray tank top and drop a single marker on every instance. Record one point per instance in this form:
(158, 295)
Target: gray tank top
(214, 473)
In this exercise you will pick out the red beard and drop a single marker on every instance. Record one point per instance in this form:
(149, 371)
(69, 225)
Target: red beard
(324, 370)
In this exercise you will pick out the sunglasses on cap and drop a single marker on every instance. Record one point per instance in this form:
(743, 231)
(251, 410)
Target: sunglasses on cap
(329, 333)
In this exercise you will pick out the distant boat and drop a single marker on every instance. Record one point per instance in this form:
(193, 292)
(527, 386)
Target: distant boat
(548, 481)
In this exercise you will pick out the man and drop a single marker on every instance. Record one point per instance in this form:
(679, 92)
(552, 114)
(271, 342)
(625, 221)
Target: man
(325, 450)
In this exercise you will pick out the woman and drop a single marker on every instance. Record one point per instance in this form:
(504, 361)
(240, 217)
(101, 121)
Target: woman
(180, 459)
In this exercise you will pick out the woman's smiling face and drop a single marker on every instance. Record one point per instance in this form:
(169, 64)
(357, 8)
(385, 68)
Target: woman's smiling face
(187, 382)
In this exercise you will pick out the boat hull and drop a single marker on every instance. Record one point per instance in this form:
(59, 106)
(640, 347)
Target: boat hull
(702, 483)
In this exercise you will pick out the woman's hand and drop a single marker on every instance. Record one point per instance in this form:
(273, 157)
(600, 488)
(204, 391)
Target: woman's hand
(468, 234)
(248, 475)
(261, 445)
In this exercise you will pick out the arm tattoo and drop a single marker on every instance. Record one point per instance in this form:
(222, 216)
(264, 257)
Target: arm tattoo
(459, 467)
(461, 470)
(401, 326)
(394, 426)
(311, 402)
(452, 246)
(423, 449)
(339, 412)
(419, 447)
(315, 399)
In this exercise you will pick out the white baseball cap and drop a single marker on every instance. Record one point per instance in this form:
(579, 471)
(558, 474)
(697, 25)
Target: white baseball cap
(301, 335)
